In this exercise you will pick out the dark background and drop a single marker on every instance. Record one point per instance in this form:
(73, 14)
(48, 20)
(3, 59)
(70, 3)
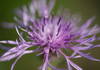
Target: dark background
(85, 8)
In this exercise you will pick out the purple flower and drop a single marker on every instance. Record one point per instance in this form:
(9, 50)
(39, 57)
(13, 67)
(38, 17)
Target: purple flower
(50, 34)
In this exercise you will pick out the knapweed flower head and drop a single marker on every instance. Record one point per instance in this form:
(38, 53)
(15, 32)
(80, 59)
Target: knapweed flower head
(50, 34)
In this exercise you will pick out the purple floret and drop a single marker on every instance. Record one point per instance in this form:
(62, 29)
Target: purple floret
(50, 35)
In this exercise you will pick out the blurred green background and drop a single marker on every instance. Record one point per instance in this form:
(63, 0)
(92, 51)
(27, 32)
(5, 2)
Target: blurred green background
(85, 8)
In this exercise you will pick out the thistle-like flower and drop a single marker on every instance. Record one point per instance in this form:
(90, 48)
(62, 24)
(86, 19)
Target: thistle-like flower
(50, 34)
